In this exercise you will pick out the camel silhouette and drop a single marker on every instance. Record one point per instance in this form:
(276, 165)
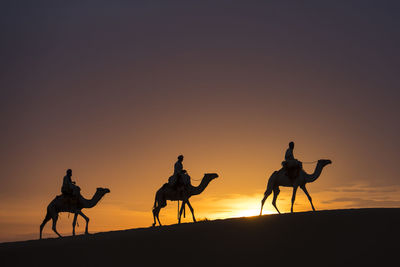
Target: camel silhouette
(62, 203)
(167, 192)
(279, 178)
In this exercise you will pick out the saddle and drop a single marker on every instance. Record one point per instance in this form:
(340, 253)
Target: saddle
(292, 168)
(179, 184)
(182, 180)
(70, 200)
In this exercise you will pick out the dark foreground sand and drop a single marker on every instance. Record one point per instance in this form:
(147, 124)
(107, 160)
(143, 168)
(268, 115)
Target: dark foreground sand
(360, 237)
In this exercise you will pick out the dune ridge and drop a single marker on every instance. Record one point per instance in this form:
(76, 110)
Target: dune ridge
(359, 237)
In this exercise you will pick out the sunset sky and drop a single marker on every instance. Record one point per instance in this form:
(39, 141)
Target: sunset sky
(116, 90)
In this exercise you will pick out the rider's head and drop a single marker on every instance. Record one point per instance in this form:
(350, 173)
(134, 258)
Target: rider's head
(180, 157)
(69, 172)
(291, 145)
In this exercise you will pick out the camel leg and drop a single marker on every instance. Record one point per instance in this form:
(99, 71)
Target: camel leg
(156, 211)
(181, 211)
(46, 219)
(74, 223)
(154, 216)
(55, 218)
(87, 221)
(157, 216)
(191, 210)
(308, 196)
(266, 194)
(293, 197)
(276, 193)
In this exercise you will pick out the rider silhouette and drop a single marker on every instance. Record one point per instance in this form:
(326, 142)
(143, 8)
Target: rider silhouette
(176, 180)
(291, 165)
(69, 187)
(178, 167)
(289, 152)
(179, 171)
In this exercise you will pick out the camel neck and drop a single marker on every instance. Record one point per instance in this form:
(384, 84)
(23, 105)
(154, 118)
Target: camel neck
(90, 203)
(196, 190)
(314, 176)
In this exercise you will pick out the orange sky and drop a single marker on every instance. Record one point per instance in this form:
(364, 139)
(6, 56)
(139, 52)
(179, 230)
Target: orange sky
(117, 92)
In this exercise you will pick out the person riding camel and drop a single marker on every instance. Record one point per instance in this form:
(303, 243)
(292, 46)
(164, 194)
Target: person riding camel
(178, 168)
(291, 165)
(176, 180)
(69, 187)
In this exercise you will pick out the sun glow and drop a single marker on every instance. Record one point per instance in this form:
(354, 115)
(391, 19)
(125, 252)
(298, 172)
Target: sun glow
(248, 213)
(233, 206)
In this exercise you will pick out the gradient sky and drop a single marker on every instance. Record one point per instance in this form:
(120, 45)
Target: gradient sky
(115, 91)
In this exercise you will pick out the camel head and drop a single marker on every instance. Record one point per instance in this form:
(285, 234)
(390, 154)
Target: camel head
(324, 162)
(102, 191)
(210, 176)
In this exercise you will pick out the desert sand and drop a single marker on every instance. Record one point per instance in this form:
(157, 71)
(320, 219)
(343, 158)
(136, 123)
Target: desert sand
(352, 237)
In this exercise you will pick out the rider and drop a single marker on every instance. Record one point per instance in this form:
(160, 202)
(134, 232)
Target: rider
(289, 152)
(178, 167)
(69, 187)
(179, 172)
(291, 165)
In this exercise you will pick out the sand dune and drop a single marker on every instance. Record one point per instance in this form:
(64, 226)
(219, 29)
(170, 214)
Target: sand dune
(355, 237)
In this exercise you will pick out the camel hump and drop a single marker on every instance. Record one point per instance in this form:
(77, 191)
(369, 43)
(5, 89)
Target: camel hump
(164, 186)
(281, 170)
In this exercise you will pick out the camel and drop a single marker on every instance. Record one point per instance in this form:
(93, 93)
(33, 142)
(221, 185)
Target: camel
(62, 203)
(166, 192)
(279, 178)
